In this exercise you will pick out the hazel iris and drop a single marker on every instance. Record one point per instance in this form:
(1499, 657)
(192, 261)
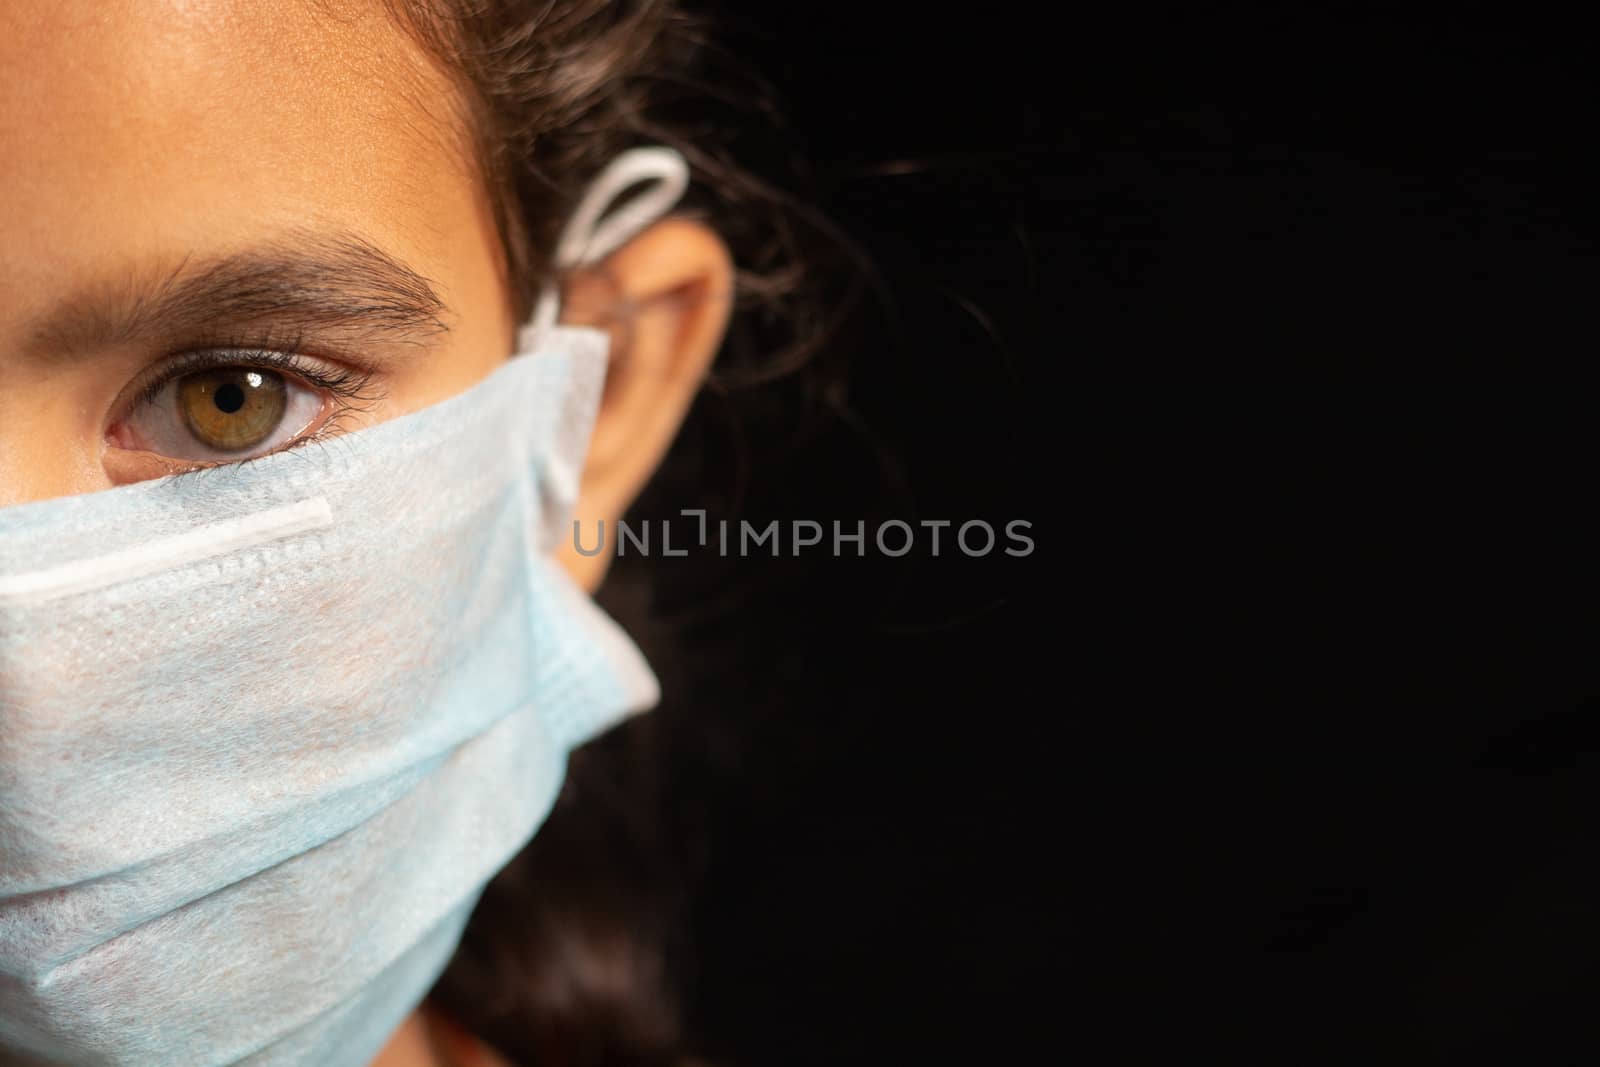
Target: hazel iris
(232, 408)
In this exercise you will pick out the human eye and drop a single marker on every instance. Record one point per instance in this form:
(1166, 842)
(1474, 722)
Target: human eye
(224, 405)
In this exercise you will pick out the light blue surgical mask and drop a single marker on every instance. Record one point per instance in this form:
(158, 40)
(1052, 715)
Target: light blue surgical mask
(267, 730)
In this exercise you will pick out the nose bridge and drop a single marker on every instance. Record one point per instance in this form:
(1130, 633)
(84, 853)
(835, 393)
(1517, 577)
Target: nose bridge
(50, 442)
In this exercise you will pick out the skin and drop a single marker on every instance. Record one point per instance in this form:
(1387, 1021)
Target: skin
(143, 143)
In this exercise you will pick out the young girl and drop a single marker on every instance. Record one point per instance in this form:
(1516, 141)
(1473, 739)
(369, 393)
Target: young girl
(305, 309)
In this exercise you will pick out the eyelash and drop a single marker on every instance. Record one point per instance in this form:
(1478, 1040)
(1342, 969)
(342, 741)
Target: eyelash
(353, 388)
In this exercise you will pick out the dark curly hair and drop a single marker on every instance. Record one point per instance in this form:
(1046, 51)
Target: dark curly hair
(577, 953)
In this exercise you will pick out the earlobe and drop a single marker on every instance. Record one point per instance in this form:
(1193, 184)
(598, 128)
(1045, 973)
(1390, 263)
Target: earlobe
(665, 298)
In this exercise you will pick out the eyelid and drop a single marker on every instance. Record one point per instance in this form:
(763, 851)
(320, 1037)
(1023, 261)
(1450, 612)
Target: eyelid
(347, 386)
(345, 382)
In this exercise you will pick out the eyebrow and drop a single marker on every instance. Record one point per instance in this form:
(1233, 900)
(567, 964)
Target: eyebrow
(334, 284)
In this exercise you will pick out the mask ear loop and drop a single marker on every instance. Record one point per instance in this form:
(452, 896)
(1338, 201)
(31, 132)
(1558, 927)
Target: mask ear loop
(591, 234)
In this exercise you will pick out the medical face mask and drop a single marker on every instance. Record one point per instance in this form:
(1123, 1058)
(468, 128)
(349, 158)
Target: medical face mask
(266, 730)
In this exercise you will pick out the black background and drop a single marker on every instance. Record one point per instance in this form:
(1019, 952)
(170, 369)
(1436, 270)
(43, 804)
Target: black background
(1271, 751)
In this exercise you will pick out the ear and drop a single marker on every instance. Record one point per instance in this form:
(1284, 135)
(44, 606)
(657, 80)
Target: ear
(665, 298)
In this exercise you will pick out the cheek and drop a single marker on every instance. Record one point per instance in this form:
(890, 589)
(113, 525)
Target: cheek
(476, 346)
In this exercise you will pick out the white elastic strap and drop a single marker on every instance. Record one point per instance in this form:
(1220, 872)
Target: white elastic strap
(591, 234)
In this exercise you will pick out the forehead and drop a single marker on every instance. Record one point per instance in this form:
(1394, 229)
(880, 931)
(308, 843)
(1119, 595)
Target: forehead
(147, 130)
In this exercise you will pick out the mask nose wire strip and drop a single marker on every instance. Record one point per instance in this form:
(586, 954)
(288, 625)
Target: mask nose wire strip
(138, 561)
(591, 234)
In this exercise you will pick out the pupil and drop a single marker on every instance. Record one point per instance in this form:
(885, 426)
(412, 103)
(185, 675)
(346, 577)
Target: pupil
(229, 398)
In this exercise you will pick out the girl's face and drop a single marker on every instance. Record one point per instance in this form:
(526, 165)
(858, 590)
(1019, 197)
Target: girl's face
(233, 227)
(230, 227)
